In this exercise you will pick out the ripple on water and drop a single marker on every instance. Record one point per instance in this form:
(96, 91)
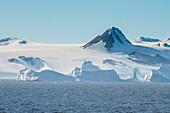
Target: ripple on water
(83, 97)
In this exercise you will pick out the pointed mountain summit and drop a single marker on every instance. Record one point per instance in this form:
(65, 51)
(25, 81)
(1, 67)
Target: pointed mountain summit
(111, 38)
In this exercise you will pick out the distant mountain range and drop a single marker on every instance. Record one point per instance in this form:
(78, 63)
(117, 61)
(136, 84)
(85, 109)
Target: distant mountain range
(152, 42)
(109, 57)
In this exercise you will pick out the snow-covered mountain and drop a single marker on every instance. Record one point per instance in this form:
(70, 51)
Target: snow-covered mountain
(12, 41)
(148, 59)
(152, 42)
(124, 61)
(111, 38)
(147, 39)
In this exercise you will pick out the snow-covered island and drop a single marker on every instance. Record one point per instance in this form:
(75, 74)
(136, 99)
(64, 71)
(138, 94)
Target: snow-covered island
(109, 57)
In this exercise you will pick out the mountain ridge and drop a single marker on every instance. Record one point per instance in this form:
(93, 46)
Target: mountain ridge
(109, 37)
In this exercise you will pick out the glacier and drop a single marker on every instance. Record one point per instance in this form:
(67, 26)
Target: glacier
(109, 57)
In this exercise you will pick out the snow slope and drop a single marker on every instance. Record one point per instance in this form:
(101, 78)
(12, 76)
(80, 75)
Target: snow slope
(36, 64)
(64, 58)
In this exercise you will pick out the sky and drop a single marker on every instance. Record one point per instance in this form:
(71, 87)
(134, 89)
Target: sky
(79, 21)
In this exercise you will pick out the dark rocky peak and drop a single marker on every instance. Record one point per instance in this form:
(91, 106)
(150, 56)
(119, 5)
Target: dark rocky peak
(110, 37)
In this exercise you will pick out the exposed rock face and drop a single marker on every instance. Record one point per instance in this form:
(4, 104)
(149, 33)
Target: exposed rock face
(166, 45)
(112, 36)
(113, 62)
(168, 39)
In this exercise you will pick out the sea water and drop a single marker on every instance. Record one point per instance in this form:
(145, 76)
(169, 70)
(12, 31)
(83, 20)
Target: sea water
(82, 97)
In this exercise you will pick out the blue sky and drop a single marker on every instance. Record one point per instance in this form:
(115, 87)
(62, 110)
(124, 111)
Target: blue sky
(79, 21)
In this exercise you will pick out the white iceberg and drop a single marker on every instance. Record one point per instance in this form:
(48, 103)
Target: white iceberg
(138, 75)
(48, 75)
(161, 75)
(90, 72)
(27, 74)
(88, 66)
